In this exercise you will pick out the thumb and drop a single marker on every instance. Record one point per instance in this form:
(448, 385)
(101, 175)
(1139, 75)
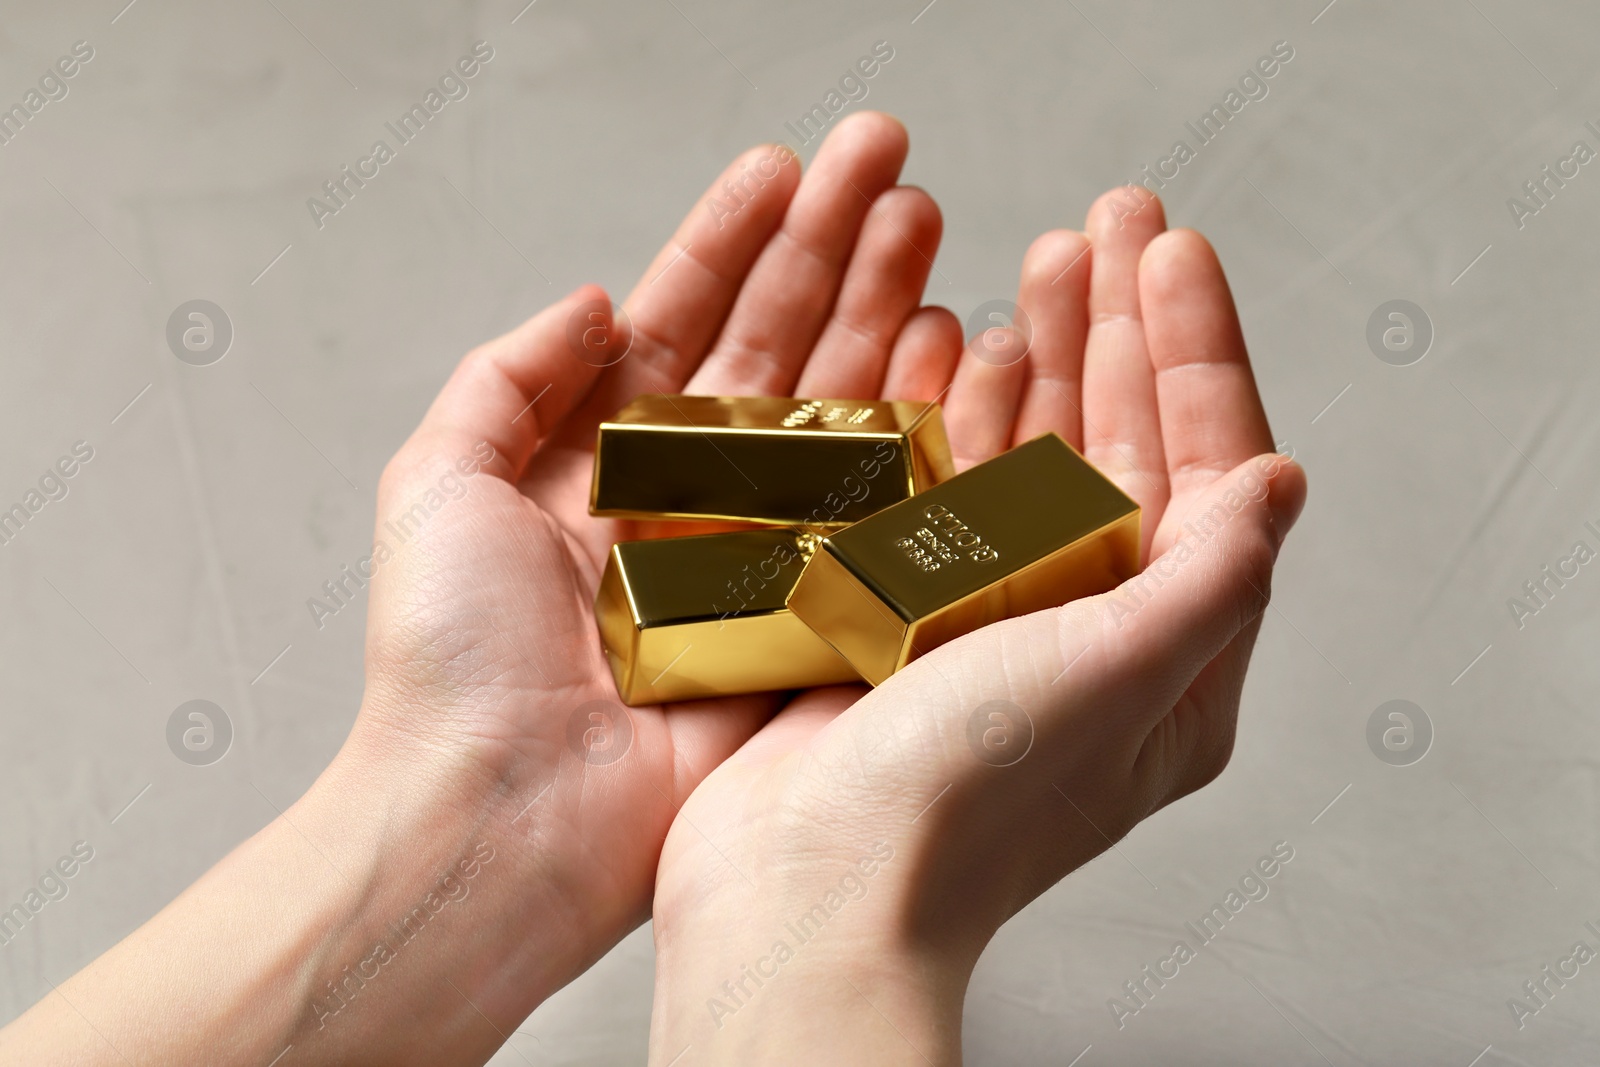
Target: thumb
(1214, 580)
(1104, 669)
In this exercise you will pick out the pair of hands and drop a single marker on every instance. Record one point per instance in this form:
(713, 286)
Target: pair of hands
(734, 821)
(823, 869)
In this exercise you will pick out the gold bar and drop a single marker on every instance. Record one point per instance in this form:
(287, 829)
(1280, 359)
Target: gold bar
(688, 617)
(818, 463)
(1030, 529)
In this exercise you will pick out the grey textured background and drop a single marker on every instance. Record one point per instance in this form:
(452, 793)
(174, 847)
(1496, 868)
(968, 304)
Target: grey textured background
(1377, 168)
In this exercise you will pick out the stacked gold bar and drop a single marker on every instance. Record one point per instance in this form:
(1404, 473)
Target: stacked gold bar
(1030, 529)
(879, 554)
(686, 617)
(765, 459)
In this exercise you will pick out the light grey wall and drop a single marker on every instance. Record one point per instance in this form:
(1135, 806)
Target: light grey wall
(1378, 168)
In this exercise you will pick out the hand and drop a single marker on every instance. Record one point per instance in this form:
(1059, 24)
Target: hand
(462, 859)
(825, 893)
(482, 637)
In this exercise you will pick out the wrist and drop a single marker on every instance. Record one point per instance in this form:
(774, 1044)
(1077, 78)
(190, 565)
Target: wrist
(438, 878)
(822, 970)
(786, 1001)
(338, 930)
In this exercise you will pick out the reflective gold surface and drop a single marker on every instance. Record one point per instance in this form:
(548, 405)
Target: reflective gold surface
(1033, 528)
(686, 617)
(820, 463)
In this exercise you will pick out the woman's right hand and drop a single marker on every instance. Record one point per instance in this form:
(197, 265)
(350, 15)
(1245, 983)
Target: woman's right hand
(824, 894)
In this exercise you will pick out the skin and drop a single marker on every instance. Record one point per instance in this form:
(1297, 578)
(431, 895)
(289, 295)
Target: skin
(461, 859)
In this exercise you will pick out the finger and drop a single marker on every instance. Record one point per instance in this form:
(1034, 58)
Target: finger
(981, 407)
(1211, 414)
(1196, 598)
(1193, 745)
(1054, 295)
(1121, 426)
(705, 733)
(790, 291)
(799, 721)
(686, 294)
(511, 391)
(924, 357)
(744, 731)
(882, 286)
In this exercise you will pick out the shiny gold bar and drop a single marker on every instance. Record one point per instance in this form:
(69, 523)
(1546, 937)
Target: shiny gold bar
(1030, 529)
(779, 460)
(687, 617)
